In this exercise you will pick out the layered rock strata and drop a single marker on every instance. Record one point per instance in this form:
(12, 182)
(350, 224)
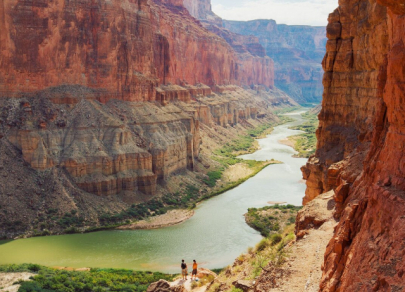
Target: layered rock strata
(80, 155)
(122, 146)
(119, 50)
(71, 72)
(360, 146)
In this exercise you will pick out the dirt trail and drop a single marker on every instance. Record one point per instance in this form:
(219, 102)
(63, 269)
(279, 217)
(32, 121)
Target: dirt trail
(302, 270)
(305, 261)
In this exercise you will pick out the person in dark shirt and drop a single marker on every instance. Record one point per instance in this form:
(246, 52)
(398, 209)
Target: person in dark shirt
(184, 270)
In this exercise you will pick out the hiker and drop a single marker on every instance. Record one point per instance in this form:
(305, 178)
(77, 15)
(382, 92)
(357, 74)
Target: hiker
(184, 270)
(194, 272)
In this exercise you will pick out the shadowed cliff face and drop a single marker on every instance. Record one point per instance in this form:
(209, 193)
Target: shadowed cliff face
(252, 62)
(360, 151)
(297, 52)
(195, 55)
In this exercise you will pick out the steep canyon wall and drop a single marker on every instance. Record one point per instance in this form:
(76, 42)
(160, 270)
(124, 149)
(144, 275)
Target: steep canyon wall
(360, 151)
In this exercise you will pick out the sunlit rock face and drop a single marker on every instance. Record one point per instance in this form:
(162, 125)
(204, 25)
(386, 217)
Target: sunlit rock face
(297, 51)
(360, 151)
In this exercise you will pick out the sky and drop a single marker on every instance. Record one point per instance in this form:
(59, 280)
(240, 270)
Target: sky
(304, 12)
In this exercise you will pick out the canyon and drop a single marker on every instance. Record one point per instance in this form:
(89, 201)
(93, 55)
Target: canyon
(297, 50)
(105, 105)
(101, 104)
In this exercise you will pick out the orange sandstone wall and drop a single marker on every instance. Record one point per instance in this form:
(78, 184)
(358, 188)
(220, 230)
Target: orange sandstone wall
(361, 141)
(102, 45)
(119, 49)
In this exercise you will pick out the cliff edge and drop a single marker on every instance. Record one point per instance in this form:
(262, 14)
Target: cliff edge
(360, 151)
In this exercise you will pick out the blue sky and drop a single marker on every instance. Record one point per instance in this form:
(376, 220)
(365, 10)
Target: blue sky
(305, 12)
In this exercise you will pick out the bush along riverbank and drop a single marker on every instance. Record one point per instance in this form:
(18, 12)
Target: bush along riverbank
(305, 144)
(44, 279)
(270, 220)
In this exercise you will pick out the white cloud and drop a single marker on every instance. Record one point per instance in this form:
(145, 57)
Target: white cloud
(303, 12)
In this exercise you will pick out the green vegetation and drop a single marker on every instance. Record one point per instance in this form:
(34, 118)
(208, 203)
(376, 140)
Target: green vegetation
(305, 143)
(287, 110)
(227, 155)
(47, 279)
(267, 220)
(213, 176)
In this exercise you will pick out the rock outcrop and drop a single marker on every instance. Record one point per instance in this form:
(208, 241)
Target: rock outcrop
(297, 51)
(360, 151)
(70, 70)
(164, 286)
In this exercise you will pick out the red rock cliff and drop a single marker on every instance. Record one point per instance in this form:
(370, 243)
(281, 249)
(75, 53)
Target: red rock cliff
(121, 49)
(252, 67)
(361, 140)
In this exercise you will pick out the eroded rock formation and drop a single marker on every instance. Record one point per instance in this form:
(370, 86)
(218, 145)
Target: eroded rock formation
(360, 151)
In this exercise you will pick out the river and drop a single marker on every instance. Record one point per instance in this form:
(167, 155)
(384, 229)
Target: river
(214, 236)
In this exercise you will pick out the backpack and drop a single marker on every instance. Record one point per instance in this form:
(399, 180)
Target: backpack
(183, 265)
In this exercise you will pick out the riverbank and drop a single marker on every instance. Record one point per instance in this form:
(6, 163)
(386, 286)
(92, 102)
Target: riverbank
(305, 143)
(281, 261)
(171, 218)
(30, 277)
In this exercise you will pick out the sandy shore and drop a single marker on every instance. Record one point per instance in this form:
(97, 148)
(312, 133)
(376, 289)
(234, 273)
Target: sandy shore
(288, 142)
(236, 172)
(171, 218)
(276, 203)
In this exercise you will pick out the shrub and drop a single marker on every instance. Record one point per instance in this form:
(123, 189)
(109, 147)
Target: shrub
(48, 279)
(275, 238)
(32, 287)
(291, 220)
(213, 176)
(262, 244)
